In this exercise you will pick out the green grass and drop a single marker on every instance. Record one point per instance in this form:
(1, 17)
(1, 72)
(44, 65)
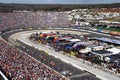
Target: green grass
(115, 19)
(110, 29)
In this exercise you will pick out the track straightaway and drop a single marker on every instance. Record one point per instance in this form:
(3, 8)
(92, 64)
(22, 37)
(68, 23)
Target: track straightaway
(23, 36)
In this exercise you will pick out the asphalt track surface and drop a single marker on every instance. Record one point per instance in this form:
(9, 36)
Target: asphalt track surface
(63, 66)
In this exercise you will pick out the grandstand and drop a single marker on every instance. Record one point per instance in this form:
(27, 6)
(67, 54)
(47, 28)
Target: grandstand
(34, 19)
(13, 59)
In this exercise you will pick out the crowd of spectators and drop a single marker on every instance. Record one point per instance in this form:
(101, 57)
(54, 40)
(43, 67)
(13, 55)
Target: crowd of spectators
(34, 19)
(17, 65)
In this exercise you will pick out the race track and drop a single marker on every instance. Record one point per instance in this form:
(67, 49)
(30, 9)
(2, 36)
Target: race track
(78, 63)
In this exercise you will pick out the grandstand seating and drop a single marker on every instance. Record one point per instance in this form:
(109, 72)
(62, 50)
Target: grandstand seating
(16, 65)
(34, 19)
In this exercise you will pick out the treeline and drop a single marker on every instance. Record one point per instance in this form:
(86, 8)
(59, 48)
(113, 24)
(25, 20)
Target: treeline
(53, 7)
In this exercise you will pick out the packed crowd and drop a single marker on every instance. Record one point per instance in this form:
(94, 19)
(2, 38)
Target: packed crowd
(34, 19)
(16, 65)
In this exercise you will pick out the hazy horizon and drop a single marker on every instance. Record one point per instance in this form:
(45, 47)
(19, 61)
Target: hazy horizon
(60, 1)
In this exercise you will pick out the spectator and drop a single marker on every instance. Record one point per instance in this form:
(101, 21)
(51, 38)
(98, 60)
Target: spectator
(19, 66)
(33, 19)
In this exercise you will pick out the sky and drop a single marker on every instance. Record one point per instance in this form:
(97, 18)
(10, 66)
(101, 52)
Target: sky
(60, 1)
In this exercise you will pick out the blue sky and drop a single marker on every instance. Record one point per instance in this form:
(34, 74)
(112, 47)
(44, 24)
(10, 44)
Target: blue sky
(60, 1)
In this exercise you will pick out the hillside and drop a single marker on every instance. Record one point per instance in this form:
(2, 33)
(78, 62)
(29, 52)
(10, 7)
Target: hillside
(53, 7)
